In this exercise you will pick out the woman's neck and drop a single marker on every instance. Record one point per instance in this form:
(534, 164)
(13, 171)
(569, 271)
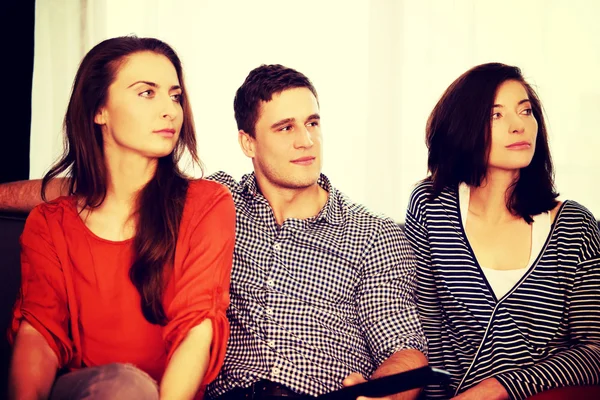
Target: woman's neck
(488, 201)
(127, 174)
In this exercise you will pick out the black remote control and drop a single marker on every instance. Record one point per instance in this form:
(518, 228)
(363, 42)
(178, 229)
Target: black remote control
(390, 384)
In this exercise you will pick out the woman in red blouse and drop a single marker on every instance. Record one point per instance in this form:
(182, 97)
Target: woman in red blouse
(125, 282)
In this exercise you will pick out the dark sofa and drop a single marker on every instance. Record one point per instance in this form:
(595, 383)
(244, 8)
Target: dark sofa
(11, 226)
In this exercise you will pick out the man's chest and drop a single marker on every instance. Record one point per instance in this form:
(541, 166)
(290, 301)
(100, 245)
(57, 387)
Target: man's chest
(314, 265)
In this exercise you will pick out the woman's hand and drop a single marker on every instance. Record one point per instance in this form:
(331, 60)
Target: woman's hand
(489, 389)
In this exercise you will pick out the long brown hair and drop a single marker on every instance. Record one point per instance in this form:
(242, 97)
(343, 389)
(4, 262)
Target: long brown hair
(159, 204)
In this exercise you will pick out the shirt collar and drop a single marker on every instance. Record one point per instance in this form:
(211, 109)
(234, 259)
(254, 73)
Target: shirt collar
(331, 211)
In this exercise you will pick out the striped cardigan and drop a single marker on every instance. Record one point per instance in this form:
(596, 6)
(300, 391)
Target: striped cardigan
(544, 333)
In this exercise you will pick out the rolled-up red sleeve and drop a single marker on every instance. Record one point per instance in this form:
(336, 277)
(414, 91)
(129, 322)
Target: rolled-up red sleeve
(201, 276)
(42, 299)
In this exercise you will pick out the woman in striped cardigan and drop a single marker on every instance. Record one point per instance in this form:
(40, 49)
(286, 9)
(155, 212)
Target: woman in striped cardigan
(509, 277)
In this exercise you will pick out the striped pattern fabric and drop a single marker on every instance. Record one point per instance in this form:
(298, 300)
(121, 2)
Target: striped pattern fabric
(543, 334)
(314, 300)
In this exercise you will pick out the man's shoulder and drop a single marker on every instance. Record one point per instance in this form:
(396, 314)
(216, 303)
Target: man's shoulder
(224, 179)
(360, 216)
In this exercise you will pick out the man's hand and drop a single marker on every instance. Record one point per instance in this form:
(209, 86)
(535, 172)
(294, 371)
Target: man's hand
(489, 389)
(400, 361)
(356, 378)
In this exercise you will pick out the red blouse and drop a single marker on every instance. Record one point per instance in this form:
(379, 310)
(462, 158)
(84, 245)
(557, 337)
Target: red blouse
(77, 293)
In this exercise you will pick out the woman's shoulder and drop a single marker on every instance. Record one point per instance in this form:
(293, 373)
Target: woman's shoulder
(55, 209)
(421, 192)
(572, 212)
(204, 194)
(208, 207)
(49, 217)
(576, 224)
(422, 196)
(199, 189)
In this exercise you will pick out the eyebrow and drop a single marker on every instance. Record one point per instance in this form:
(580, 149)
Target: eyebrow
(521, 102)
(154, 85)
(282, 122)
(286, 121)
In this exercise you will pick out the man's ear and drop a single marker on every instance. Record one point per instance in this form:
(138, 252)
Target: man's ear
(247, 143)
(100, 117)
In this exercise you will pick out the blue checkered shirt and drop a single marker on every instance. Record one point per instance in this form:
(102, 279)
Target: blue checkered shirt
(314, 300)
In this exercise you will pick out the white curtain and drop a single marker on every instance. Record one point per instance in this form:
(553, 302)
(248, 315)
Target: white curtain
(379, 67)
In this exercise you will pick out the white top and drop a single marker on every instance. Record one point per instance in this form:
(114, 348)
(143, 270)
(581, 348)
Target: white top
(502, 281)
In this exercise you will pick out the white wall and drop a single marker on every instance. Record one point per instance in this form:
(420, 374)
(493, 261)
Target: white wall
(379, 67)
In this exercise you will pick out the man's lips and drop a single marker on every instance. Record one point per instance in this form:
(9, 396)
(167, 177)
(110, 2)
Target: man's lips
(304, 160)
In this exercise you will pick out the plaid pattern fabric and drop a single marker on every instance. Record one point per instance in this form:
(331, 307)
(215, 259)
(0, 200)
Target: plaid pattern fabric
(315, 300)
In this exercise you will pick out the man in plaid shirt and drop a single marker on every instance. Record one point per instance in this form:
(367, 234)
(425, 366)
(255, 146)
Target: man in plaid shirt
(321, 288)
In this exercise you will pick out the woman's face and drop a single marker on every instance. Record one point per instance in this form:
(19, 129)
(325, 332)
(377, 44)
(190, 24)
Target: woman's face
(513, 128)
(143, 112)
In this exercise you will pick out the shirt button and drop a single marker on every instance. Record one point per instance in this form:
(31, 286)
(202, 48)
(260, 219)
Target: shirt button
(275, 371)
(270, 282)
(271, 343)
(277, 246)
(268, 311)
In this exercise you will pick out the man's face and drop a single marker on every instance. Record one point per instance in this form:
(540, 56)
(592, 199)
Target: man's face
(286, 148)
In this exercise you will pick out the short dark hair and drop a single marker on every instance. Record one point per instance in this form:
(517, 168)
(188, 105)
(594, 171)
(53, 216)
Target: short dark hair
(260, 85)
(458, 137)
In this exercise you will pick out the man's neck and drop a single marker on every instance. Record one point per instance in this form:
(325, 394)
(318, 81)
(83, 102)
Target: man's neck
(296, 203)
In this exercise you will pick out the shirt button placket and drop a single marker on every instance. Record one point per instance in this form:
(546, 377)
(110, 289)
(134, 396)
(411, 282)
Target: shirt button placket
(275, 372)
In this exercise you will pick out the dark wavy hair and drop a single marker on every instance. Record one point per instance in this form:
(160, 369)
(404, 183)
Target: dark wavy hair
(159, 204)
(260, 85)
(458, 136)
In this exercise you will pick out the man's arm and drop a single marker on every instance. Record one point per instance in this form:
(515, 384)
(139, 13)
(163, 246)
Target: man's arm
(387, 309)
(23, 196)
(400, 361)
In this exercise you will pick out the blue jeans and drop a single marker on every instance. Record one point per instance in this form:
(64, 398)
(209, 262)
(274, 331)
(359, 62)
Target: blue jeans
(112, 381)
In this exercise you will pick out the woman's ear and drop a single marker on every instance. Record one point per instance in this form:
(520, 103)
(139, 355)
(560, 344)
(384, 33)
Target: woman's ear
(100, 117)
